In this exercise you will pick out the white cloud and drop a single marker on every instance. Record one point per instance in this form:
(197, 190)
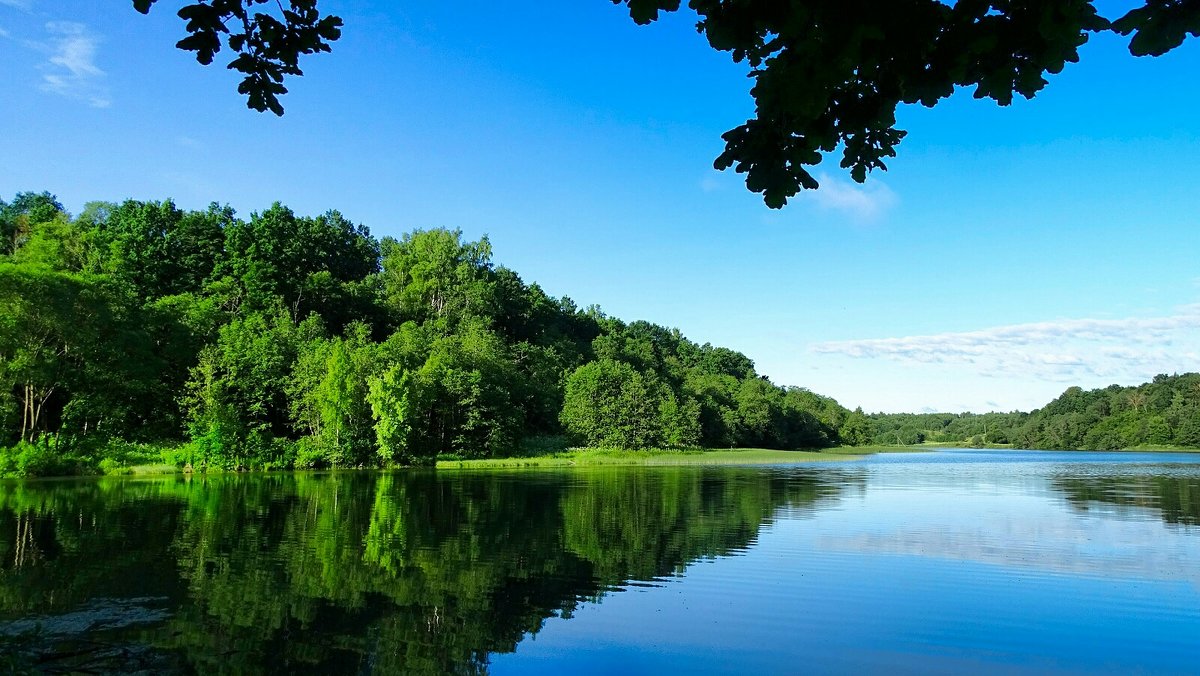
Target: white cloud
(862, 203)
(1071, 350)
(4, 33)
(71, 68)
(25, 5)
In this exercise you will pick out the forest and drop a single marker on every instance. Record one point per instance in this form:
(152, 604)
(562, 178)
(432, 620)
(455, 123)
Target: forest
(1163, 414)
(141, 333)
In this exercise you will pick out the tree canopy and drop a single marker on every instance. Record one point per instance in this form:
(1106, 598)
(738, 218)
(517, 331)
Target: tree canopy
(283, 340)
(141, 331)
(827, 74)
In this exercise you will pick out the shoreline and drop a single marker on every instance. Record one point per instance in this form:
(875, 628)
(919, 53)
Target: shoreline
(608, 457)
(595, 457)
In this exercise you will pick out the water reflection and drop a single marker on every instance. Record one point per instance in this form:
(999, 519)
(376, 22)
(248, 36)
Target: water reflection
(1173, 498)
(934, 561)
(1004, 509)
(411, 572)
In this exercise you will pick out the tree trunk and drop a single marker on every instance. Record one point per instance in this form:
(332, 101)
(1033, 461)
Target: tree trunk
(24, 411)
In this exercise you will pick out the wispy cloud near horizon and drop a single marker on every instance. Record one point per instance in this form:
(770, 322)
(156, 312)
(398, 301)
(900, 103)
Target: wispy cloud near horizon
(71, 69)
(1062, 351)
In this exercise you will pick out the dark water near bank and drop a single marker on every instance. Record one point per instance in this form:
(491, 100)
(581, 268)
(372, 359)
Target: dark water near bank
(950, 562)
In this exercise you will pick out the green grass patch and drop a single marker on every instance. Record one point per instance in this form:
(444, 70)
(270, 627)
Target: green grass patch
(587, 457)
(879, 448)
(150, 470)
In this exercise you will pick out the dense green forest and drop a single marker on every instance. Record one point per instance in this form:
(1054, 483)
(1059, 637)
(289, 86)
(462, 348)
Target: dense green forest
(1164, 413)
(139, 329)
(969, 429)
(139, 333)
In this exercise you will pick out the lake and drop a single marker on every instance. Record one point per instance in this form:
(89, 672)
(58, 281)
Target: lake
(950, 561)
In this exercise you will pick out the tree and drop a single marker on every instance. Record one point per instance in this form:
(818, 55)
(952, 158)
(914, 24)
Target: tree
(467, 387)
(856, 430)
(159, 249)
(57, 243)
(827, 73)
(312, 264)
(236, 400)
(715, 395)
(72, 356)
(329, 396)
(268, 47)
(433, 275)
(392, 397)
(611, 404)
(26, 209)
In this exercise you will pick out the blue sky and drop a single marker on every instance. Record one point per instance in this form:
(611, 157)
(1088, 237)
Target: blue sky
(1007, 254)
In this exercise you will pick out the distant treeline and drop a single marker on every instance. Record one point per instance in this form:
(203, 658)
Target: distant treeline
(284, 341)
(1164, 413)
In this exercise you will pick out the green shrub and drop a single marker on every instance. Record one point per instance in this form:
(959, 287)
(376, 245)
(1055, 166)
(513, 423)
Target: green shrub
(44, 457)
(310, 455)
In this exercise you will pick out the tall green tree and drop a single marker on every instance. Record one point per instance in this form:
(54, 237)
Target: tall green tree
(306, 262)
(433, 275)
(609, 403)
(73, 356)
(468, 385)
(236, 398)
(25, 210)
(329, 395)
(395, 402)
(159, 249)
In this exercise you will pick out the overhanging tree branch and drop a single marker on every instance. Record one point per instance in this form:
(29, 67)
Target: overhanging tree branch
(827, 74)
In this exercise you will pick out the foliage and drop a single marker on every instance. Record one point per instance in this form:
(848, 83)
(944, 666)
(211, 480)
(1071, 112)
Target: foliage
(36, 459)
(610, 404)
(289, 341)
(970, 429)
(827, 74)
(1163, 413)
(329, 395)
(432, 275)
(393, 399)
(268, 47)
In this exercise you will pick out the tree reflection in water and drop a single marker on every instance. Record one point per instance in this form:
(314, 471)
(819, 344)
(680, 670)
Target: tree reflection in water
(1173, 498)
(340, 572)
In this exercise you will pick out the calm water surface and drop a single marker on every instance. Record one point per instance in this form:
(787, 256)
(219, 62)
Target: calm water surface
(943, 562)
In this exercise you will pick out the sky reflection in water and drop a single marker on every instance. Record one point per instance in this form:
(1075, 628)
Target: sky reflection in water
(948, 562)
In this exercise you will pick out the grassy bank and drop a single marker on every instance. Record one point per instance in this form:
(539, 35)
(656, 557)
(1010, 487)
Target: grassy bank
(582, 457)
